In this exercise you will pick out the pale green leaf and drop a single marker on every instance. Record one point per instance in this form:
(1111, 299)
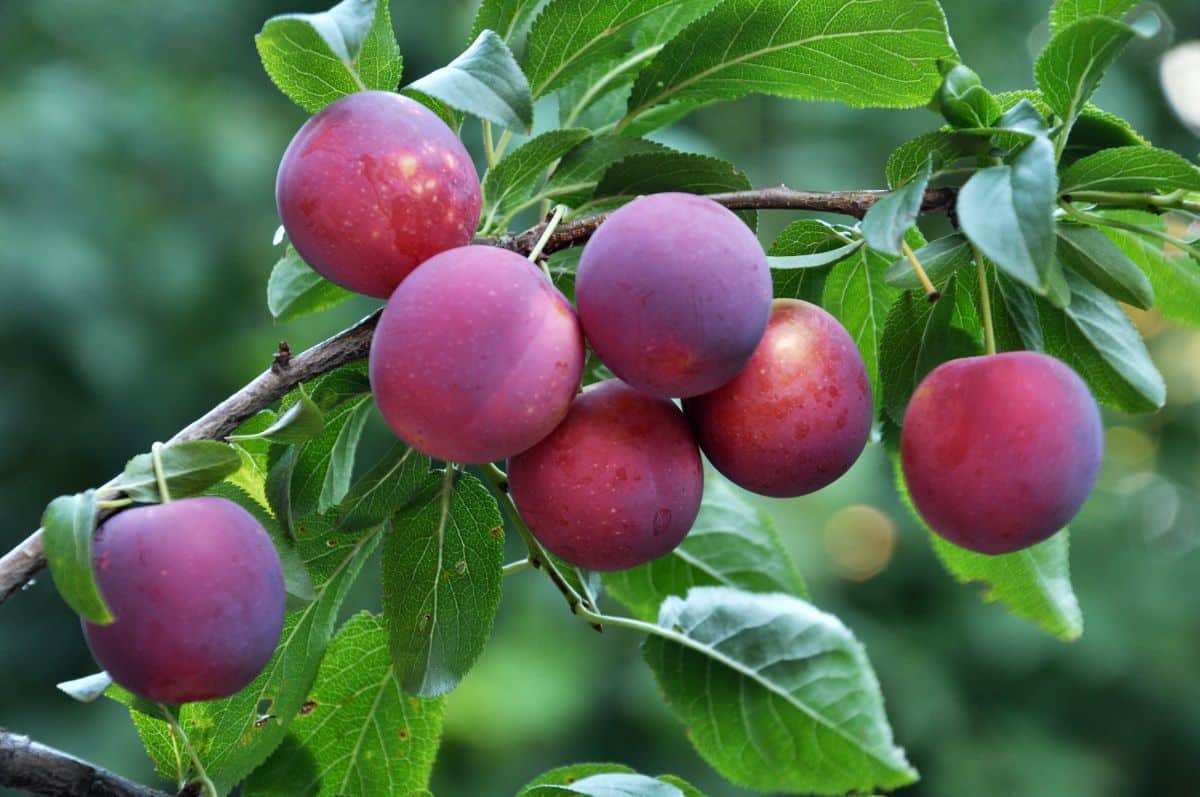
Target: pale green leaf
(341, 456)
(895, 213)
(188, 469)
(399, 477)
(67, 528)
(656, 172)
(858, 296)
(1174, 276)
(776, 695)
(506, 17)
(484, 81)
(1131, 169)
(300, 422)
(294, 290)
(803, 239)
(941, 259)
(1087, 252)
(575, 179)
(509, 185)
(1067, 12)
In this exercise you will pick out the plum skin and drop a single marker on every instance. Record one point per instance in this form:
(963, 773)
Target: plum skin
(1000, 451)
(197, 591)
(374, 185)
(476, 357)
(616, 485)
(674, 292)
(797, 416)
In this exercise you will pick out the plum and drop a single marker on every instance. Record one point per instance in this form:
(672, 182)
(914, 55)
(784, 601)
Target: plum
(616, 485)
(1001, 451)
(197, 591)
(799, 414)
(477, 356)
(673, 293)
(374, 185)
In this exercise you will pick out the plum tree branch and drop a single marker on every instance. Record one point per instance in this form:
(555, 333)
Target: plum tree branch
(22, 563)
(38, 769)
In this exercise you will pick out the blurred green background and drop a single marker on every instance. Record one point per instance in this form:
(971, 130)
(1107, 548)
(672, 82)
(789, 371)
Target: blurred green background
(138, 148)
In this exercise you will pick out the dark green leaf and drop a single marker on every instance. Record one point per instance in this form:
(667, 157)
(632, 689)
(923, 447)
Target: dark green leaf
(402, 475)
(1094, 129)
(317, 58)
(943, 147)
(347, 383)
(1069, 70)
(323, 464)
(1034, 584)
(441, 584)
(1131, 169)
(484, 81)
(234, 736)
(895, 214)
(1007, 211)
(88, 688)
(801, 239)
(300, 422)
(357, 734)
(1015, 306)
(1095, 337)
(67, 528)
(918, 337)
(1087, 252)
(883, 53)
(941, 259)
(1174, 276)
(294, 290)
(188, 469)
(857, 295)
(575, 179)
(655, 172)
(768, 713)
(732, 543)
(508, 186)
(341, 457)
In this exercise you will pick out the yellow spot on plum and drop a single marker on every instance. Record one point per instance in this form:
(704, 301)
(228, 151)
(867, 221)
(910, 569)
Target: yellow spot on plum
(451, 161)
(408, 165)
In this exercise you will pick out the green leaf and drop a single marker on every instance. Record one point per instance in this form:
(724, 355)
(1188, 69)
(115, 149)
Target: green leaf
(87, 689)
(941, 259)
(883, 53)
(357, 734)
(1034, 584)
(565, 776)
(1007, 211)
(918, 337)
(1131, 169)
(575, 179)
(503, 16)
(776, 695)
(655, 172)
(806, 238)
(963, 100)
(942, 147)
(613, 784)
(484, 81)
(510, 184)
(1067, 12)
(347, 383)
(317, 58)
(571, 35)
(1015, 315)
(235, 735)
(1089, 253)
(294, 290)
(1069, 70)
(895, 214)
(67, 528)
(1094, 129)
(815, 260)
(1174, 276)
(188, 469)
(1095, 337)
(300, 422)
(857, 295)
(399, 477)
(732, 543)
(341, 456)
(441, 584)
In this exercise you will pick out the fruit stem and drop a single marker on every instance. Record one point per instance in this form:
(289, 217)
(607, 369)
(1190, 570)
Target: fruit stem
(931, 293)
(489, 149)
(502, 144)
(116, 503)
(540, 246)
(985, 301)
(512, 568)
(538, 558)
(159, 474)
(206, 784)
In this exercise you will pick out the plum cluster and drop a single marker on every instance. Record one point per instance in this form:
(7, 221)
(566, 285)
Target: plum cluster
(478, 358)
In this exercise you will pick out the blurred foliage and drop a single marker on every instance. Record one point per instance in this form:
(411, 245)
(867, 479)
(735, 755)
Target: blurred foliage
(137, 162)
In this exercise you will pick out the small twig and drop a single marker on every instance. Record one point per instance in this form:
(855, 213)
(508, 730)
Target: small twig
(38, 769)
(931, 292)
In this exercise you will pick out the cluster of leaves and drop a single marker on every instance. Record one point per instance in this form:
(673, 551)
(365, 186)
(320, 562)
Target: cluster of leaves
(1059, 219)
